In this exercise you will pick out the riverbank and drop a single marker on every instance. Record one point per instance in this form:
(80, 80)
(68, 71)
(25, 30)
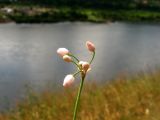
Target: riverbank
(37, 14)
(125, 98)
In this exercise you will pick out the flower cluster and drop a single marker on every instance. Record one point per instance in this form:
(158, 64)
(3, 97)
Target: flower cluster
(82, 66)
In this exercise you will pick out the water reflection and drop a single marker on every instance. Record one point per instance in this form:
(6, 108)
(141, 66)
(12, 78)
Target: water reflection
(28, 52)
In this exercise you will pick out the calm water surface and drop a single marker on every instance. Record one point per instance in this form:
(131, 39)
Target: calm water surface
(28, 53)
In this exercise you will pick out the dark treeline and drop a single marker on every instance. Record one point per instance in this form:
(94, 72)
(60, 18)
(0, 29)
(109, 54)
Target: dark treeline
(102, 4)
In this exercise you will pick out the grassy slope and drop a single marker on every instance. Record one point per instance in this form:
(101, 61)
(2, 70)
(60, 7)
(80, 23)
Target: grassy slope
(136, 98)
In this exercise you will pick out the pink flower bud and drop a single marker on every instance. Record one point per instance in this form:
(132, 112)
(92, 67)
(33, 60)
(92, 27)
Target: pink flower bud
(62, 51)
(81, 62)
(68, 80)
(67, 58)
(89, 69)
(85, 66)
(90, 46)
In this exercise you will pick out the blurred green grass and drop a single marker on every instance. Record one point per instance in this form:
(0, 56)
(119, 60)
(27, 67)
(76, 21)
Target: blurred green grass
(124, 98)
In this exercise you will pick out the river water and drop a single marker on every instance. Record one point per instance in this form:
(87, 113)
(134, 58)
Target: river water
(28, 53)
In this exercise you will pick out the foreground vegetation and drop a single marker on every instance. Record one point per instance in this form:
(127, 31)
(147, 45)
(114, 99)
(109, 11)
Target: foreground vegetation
(126, 98)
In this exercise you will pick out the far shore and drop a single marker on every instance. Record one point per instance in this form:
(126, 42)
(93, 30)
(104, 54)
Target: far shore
(37, 14)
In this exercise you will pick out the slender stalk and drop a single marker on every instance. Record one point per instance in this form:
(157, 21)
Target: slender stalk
(78, 96)
(73, 57)
(92, 57)
(76, 64)
(76, 73)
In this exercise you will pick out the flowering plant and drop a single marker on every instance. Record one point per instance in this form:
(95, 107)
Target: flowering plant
(82, 66)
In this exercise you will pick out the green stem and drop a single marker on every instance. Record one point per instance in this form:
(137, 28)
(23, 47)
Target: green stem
(76, 64)
(78, 97)
(73, 57)
(92, 57)
(76, 73)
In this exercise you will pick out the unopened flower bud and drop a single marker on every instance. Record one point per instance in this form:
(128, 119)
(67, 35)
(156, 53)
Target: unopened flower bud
(68, 80)
(90, 46)
(89, 69)
(67, 58)
(85, 66)
(81, 62)
(62, 51)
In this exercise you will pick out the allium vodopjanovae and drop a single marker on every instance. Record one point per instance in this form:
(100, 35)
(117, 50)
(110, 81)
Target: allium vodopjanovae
(68, 80)
(67, 58)
(82, 66)
(85, 66)
(62, 51)
(90, 46)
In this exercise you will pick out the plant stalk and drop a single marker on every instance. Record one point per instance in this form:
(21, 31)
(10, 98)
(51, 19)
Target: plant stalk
(73, 57)
(92, 57)
(78, 96)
